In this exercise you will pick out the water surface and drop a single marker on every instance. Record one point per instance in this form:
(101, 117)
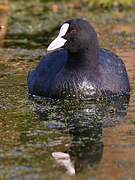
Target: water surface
(47, 139)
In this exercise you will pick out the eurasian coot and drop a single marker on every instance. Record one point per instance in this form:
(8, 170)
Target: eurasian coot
(80, 69)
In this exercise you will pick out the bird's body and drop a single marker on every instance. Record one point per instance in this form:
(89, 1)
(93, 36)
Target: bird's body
(85, 73)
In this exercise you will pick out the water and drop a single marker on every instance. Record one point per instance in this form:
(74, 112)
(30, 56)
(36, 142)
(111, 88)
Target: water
(47, 139)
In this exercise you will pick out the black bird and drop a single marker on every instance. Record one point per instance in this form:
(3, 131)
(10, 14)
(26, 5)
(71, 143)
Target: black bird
(77, 67)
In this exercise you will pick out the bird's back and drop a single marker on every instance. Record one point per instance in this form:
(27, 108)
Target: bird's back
(113, 73)
(41, 79)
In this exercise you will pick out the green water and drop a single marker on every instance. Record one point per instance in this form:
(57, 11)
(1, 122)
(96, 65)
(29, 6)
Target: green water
(99, 137)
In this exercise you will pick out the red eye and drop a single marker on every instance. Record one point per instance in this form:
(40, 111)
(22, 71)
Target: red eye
(72, 31)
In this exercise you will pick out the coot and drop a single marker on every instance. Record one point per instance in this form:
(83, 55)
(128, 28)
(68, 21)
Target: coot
(76, 67)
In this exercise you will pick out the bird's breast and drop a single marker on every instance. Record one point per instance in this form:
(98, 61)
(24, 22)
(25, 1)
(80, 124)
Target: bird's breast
(75, 86)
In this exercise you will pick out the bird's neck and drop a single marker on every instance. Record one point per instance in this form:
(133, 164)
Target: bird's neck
(85, 58)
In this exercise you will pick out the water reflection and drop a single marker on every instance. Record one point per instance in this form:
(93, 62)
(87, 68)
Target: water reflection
(84, 122)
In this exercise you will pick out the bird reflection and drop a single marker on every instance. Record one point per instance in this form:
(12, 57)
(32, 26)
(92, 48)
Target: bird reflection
(83, 120)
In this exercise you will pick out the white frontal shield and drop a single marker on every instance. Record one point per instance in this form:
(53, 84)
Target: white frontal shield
(59, 41)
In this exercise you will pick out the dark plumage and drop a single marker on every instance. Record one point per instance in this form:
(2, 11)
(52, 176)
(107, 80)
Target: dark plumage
(80, 69)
